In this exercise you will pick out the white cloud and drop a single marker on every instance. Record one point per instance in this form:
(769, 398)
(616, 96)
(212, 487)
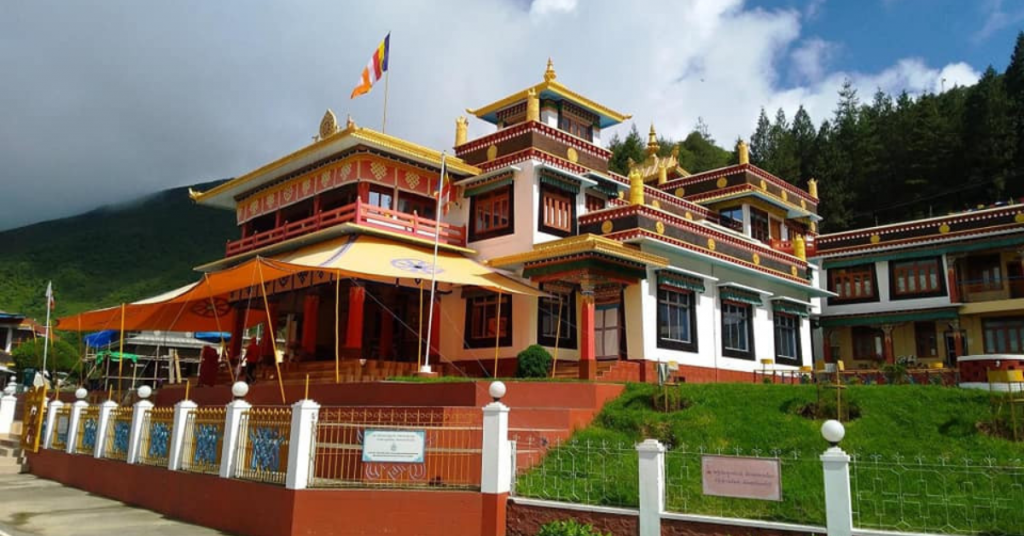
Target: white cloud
(811, 58)
(545, 7)
(813, 9)
(996, 18)
(141, 97)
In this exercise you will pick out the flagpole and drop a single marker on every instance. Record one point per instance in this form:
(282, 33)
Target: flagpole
(384, 123)
(433, 270)
(46, 341)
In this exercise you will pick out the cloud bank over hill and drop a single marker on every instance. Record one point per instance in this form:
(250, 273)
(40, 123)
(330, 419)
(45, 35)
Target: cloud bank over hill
(105, 101)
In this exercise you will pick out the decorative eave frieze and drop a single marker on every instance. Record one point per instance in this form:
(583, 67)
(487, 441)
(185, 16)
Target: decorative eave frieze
(715, 174)
(533, 127)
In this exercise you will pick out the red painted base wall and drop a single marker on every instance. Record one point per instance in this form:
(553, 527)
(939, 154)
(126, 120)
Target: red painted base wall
(252, 509)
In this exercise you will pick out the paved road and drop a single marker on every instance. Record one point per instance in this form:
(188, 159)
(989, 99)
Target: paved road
(31, 506)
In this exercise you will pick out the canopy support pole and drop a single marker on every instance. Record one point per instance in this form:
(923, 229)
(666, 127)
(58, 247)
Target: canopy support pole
(419, 330)
(216, 318)
(337, 330)
(558, 336)
(120, 362)
(270, 328)
(497, 332)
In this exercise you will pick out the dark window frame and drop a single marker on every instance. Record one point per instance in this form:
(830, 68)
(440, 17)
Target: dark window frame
(923, 332)
(797, 360)
(750, 353)
(474, 233)
(877, 336)
(567, 337)
(674, 344)
(594, 203)
(1007, 330)
(542, 226)
(894, 294)
(505, 312)
(839, 300)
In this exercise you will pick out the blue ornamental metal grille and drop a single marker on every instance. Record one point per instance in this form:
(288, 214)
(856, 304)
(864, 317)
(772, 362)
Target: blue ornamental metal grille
(207, 436)
(266, 448)
(89, 434)
(121, 429)
(159, 440)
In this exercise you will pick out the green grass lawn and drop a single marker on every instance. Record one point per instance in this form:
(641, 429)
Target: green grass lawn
(913, 443)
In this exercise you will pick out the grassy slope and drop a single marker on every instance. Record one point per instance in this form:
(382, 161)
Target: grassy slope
(112, 254)
(908, 420)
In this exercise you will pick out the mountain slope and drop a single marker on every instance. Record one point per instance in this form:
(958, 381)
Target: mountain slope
(112, 254)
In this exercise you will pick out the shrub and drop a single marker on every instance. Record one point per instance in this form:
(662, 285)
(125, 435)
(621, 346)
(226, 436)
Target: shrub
(61, 356)
(534, 362)
(569, 527)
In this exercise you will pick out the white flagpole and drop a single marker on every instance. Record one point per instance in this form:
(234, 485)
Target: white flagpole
(46, 342)
(433, 269)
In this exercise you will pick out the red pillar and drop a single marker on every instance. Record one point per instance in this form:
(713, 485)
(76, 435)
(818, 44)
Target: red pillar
(588, 348)
(310, 309)
(826, 347)
(954, 290)
(354, 332)
(237, 329)
(887, 346)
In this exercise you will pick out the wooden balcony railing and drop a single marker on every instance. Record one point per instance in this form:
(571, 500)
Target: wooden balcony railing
(1006, 288)
(358, 213)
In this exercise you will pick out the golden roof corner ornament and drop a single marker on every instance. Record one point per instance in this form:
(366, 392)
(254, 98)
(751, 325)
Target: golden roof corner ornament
(549, 73)
(636, 187)
(350, 124)
(461, 130)
(532, 105)
(743, 152)
(812, 187)
(328, 125)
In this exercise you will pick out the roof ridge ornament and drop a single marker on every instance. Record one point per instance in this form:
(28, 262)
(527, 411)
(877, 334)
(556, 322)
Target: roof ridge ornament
(328, 125)
(549, 73)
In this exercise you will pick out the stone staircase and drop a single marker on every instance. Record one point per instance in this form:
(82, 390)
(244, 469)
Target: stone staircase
(12, 457)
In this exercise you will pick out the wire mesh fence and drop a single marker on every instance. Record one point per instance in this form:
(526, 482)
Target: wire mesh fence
(802, 497)
(61, 422)
(929, 494)
(119, 426)
(263, 438)
(88, 424)
(451, 448)
(156, 436)
(203, 440)
(578, 470)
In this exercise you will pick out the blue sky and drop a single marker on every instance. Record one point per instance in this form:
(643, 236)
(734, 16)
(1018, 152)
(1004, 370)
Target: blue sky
(869, 35)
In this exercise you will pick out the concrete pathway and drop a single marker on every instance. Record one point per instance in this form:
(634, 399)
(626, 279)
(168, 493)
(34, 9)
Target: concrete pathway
(31, 506)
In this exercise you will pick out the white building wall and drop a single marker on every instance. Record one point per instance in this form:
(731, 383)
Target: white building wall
(884, 303)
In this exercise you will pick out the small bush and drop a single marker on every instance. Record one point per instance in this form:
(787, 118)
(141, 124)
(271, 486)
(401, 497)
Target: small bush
(569, 527)
(534, 362)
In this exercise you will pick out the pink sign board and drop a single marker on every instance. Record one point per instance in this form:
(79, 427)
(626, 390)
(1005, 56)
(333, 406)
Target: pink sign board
(742, 477)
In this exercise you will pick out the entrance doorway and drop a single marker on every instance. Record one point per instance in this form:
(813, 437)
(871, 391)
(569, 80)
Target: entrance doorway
(951, 348)
(607, 330)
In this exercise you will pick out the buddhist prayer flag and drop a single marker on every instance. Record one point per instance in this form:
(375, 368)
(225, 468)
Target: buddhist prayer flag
(50, 302)
(444, 194)
(374, 70)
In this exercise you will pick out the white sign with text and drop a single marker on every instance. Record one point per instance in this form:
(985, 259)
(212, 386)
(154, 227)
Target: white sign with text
(742, 477)
(394, 446)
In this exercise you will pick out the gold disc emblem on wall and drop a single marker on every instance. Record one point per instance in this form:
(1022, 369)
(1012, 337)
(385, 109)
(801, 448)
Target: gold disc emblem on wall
(1019, 218)
(794, 271)
(875, 239)
(607, 226)
(572, 155)
(764, 185)
(757, 259)
(622, 194)
(655, 203)
(722, 182)
(492, 152)
(688, 215)
(711, 244)
(785, 195)
(659, 227)
(803, 204)
(680, 192)
(944, 228)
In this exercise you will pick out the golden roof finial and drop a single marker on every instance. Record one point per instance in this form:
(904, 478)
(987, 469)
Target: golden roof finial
(652, 142)
(743, 152)
(549, 73)
(350, 123)
(328, 125)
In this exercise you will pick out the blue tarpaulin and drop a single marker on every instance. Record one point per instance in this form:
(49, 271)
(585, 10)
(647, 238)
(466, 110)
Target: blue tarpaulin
(100, 338)
(212, 336)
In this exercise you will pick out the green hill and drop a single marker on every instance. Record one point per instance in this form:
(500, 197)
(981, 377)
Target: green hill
(112, 254)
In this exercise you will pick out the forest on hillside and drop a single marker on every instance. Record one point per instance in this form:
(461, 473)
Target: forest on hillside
(885, 158)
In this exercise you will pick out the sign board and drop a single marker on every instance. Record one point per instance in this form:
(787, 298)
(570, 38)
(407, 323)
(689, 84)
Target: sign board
(742, 477)
(394, 446)
(663, 373)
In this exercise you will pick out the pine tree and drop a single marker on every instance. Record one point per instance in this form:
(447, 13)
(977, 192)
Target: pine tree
(623, 150)
(1014, 82)
(760, 141)
(989, 136)
(782, 161)
(803, 135)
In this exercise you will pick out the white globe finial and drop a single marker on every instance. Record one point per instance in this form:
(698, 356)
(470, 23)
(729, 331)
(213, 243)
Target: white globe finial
(240, 389)
(81, 393)
(497, 390)
(145, 391)
(10, 388)
(833, 431)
